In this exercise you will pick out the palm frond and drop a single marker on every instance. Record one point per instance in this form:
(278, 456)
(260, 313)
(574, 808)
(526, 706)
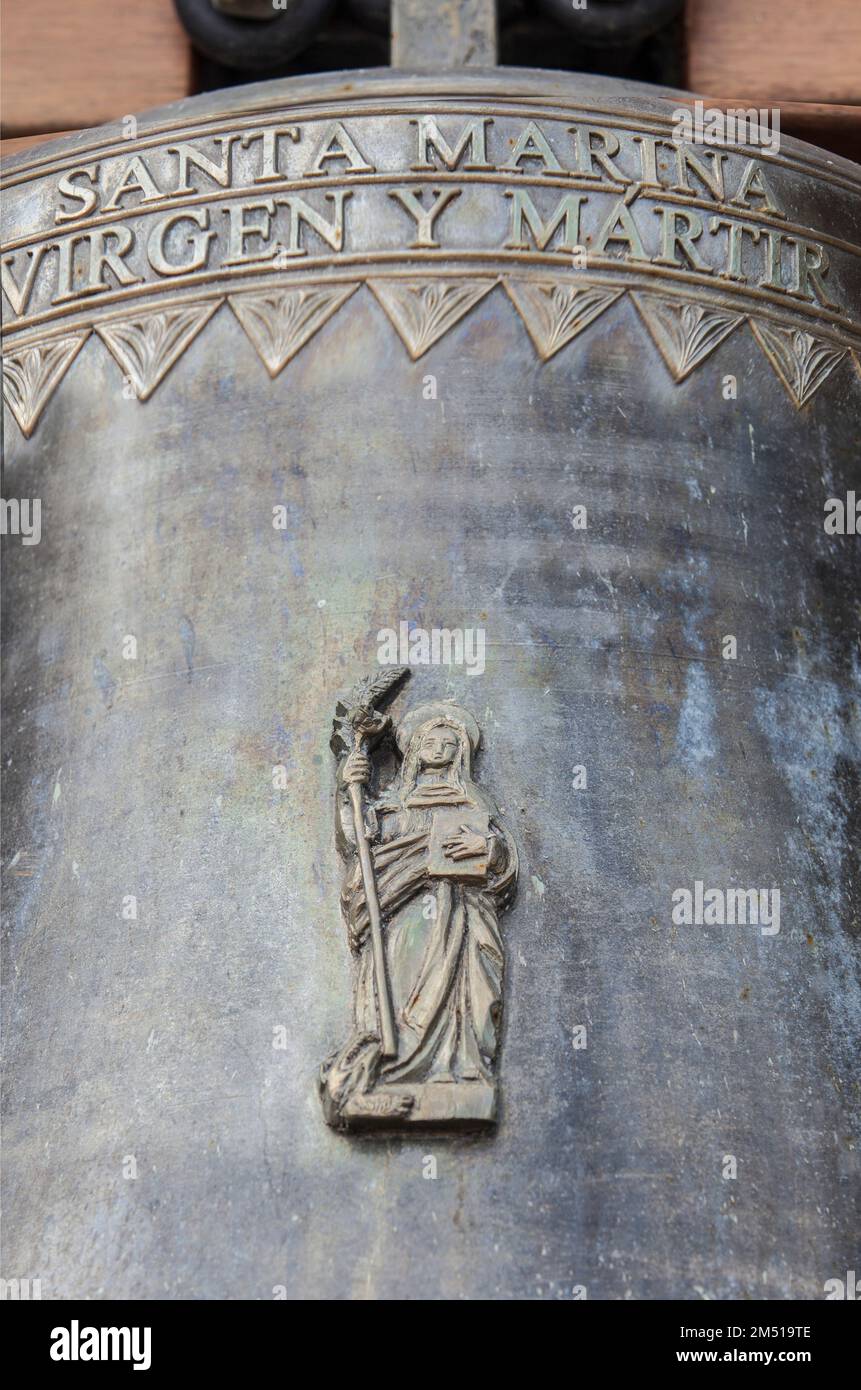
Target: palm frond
(371, 689)
(366, 696)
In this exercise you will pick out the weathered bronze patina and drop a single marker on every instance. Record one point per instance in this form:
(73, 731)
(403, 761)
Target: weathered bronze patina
(294, 364)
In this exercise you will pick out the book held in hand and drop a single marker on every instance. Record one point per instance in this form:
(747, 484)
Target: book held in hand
(449, 821)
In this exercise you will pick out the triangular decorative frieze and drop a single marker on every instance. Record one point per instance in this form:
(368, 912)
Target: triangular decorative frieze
(32, 374)
(280, 322)
(685, 334)
(555, 312)
(801, 360)
(147, 346)
(423, 310)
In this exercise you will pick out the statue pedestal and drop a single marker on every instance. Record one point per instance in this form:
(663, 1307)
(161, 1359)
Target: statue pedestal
(466, 1104)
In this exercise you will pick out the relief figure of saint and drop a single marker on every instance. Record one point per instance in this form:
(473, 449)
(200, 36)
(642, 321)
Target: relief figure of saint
(444, 869)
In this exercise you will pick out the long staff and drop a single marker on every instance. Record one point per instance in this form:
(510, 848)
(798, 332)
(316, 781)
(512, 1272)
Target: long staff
(388, 1036)
(364, 722)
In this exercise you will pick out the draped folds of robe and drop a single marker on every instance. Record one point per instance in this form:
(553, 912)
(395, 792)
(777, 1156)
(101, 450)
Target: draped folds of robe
(443, 946)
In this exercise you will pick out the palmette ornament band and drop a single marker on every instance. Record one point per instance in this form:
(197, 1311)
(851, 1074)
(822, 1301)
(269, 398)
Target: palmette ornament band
(283, 213)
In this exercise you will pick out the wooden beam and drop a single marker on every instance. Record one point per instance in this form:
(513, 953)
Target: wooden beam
(776, 52)
(25, 142)
(835, 128)
(67, 65)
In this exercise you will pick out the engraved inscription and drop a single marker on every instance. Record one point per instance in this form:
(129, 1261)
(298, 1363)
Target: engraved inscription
(430, 210)
(401, 188)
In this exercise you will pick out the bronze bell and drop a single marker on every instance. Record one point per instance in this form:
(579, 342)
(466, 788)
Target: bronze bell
(509, 418)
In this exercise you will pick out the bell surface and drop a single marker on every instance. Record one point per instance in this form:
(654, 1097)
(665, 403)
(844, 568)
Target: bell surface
(497, 377)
